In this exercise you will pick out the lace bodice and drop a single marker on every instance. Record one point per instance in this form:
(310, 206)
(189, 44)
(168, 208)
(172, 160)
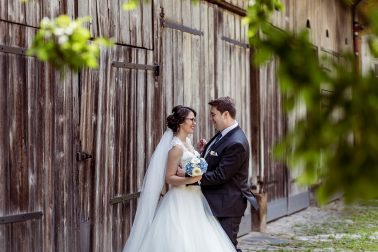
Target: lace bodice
(188, 150)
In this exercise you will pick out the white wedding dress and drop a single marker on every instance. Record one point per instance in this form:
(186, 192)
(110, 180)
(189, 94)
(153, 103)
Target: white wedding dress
(183, 221)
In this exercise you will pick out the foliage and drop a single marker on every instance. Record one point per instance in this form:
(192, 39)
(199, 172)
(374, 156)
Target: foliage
(373, 24)
(130, 5)
(337, 141)
(65, 43)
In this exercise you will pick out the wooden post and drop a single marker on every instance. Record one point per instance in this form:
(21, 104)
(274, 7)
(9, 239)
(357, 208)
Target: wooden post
(259, 216)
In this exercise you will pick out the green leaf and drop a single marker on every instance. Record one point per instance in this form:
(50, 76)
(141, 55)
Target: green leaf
(66, 44)
(373, 44)
(262, 55)
(130, 5)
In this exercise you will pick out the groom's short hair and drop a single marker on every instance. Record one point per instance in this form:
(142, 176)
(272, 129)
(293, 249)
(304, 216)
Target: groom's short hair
(224, 104)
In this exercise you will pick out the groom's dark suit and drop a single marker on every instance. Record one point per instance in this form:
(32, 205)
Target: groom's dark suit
(225, 184)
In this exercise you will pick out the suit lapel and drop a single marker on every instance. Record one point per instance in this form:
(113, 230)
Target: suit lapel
(208, 144)
(223, 139)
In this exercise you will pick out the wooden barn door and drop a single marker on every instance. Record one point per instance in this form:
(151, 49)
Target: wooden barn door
(284, 195)
(271, 127)
(118, 128)
(38, 134)
(117, 134)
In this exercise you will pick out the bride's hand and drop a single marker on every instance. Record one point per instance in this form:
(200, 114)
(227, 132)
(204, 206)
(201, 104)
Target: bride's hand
(180, 172)
(196, 179)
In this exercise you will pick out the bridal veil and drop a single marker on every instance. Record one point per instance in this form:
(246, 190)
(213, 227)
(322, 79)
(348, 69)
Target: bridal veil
(150, 193)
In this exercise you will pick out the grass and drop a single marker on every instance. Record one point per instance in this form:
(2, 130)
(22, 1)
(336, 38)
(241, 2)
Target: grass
(353, 229)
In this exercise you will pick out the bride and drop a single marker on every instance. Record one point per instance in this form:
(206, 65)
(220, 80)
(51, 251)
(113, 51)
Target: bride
(182, 221)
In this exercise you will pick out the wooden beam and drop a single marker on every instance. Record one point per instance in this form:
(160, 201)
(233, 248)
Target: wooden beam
(229, 7)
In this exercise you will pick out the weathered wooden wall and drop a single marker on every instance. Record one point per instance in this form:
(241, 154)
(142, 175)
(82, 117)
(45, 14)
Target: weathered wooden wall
(118, 120)
(329, 25)
(116, 114)
(111, 112)
(38, 138)
(126, 27)
(30, 14)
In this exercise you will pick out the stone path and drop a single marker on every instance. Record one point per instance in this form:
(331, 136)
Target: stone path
(281, 233)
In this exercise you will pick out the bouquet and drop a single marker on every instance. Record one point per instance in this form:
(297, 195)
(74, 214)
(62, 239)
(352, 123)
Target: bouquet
(196, 167)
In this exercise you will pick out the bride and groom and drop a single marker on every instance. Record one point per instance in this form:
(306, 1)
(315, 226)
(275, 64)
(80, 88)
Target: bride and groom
(199, 213)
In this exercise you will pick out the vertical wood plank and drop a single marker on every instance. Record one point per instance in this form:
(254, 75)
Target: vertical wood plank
(211, 69)
(196, 65)
(140, 119)
(219, 53)
(150, 112)
(124, 26)
(4, 148)
(168, 88)
(100, 169)
(146, 25)
(178, 69)
(4, 10)
(204, 73)
(187, 66)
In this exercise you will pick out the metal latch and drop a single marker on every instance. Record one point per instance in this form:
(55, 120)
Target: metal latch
(81, 156)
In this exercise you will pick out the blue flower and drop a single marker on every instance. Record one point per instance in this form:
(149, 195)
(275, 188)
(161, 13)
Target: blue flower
(196, 167)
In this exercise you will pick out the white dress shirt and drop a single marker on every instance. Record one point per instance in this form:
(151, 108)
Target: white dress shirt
(226, 130)
(223, 133)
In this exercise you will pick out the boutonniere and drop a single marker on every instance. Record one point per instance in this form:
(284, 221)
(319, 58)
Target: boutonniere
(213, 153)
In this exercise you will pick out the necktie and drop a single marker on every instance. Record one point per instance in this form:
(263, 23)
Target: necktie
(212, 144)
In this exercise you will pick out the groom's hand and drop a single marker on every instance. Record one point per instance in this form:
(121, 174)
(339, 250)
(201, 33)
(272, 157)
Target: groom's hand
(201, 144)
(180, 172)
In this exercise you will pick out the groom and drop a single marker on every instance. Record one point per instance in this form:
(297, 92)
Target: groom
(225, 184)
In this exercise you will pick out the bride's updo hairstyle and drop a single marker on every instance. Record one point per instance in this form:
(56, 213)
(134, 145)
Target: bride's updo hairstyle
(179, 113)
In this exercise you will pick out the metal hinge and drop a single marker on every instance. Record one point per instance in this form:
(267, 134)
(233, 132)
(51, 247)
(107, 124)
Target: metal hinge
(124, 198)
(20, 217)
(13, 50)
(129, 65)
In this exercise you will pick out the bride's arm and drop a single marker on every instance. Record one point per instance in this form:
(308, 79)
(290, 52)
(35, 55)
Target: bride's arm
(174, 157)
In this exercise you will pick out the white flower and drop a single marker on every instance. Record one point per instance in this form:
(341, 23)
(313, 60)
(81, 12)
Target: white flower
(48, 34)
(45, 22)
(62, 39)
(195, 161)
(69, 30)
(58, 32)
(196, 171)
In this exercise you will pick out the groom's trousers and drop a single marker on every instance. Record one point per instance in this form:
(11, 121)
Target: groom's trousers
(231, 226)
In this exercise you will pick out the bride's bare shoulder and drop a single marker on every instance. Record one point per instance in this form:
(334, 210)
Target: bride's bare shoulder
(176, 150)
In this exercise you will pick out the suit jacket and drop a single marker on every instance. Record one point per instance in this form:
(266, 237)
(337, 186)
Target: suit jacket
(225, 184)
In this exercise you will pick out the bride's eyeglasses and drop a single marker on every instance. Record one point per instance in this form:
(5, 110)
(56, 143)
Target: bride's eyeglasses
(191, 119)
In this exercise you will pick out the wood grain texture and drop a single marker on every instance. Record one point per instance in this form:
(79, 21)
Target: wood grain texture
(134, 28)
(196, 69)
(118, 114)
(119, 142)
(37, 138)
